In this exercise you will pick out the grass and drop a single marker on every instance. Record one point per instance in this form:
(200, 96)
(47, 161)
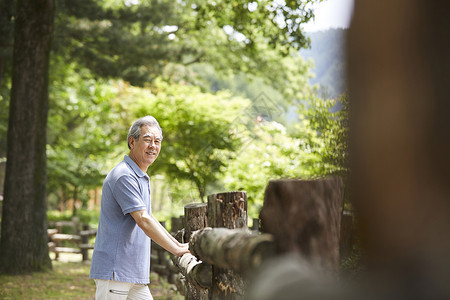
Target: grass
(69, 279)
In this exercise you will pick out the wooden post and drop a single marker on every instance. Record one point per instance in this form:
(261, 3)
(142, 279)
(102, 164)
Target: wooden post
(255, 226)
(304, 217)
(176, 224)
(85, 241)
(227, 210)
(195, 219)
(346, 234)
(75, 225)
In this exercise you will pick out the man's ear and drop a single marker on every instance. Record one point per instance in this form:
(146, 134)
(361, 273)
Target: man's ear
(131, 141)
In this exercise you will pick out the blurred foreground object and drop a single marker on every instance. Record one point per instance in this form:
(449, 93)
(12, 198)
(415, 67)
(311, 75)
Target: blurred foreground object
(399, 79)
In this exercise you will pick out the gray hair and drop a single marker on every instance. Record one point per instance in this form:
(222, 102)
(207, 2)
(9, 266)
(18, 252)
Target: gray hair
(135, 129)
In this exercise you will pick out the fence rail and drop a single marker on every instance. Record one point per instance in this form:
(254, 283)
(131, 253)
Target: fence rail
(79, 238)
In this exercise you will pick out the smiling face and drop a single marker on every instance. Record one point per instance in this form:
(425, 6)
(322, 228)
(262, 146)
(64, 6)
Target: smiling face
(145, 149)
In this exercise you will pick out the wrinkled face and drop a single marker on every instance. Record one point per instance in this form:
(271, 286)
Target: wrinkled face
(145, 149)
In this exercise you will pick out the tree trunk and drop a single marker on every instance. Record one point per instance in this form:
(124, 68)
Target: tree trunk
(74, 201)
(304, 217)
(24, 229)
(201, 190)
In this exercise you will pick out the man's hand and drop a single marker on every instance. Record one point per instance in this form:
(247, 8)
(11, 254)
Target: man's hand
(183, 249)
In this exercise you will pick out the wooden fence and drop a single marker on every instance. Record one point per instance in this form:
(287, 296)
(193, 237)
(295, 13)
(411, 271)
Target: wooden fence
(78, 239)
(300, 217)
(228, 259)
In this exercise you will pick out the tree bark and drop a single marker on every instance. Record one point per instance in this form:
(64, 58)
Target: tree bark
(234, 249)
(176, 224)
(24, 229)
(304, 217)
(227, 210)
(195, 218)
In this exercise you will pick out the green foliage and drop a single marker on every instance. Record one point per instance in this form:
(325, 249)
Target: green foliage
(56, 215)
(275, 21)
(198, 135)
(243, 85)
(316, 147)
(84, 215)
(136, 40)
(80, 135)
(329, 120)
(269, 153)
(215, 141)
(216, 59)
(115, 40)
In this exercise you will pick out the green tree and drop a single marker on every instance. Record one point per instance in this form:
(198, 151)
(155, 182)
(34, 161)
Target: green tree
(81, 133)
(267, 153)
(326, 122)
(316, 146)
(197, 127)
(137, 40)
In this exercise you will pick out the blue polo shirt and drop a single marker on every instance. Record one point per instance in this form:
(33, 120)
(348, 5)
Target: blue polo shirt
(122, 249)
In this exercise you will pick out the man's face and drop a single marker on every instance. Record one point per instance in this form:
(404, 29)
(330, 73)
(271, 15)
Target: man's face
(145, 150)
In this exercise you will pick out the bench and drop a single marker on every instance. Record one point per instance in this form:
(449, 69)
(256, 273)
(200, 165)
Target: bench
(80, 239)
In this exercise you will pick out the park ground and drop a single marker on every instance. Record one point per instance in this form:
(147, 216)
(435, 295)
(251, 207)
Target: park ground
(69, 279)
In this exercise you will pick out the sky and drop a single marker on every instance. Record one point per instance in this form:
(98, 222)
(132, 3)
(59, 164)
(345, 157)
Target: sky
(330, 14)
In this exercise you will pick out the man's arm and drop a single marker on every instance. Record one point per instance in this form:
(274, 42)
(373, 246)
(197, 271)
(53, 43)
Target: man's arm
(168, 234)
(154, 230)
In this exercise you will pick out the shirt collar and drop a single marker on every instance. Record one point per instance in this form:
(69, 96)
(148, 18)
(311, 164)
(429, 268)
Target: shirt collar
(135, 167)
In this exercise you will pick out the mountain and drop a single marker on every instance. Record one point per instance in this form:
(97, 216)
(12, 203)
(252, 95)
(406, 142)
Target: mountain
(328, 53)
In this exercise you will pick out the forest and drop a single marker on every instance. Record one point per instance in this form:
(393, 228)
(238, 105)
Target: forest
(219, 119)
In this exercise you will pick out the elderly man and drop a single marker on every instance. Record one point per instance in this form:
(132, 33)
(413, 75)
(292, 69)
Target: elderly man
(121, 259)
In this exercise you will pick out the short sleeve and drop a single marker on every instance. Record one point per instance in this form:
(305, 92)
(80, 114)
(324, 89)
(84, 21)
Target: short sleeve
(128, 194)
